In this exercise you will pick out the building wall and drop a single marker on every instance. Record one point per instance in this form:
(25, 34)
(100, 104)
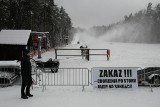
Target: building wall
(10, 52)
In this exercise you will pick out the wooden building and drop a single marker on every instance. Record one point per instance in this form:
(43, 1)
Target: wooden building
(12, 43)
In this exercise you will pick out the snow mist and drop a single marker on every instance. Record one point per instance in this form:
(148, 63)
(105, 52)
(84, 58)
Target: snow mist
(125, 32)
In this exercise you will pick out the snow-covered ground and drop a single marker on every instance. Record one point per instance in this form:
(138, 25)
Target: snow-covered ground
(122, 55)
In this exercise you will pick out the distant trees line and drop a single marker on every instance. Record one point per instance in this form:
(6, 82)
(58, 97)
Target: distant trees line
(143, 26)
(37, 15)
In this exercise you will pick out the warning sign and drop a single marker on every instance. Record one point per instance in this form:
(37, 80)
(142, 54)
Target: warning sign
(114, 77)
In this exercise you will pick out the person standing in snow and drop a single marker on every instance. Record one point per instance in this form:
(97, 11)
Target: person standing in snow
(26, 75)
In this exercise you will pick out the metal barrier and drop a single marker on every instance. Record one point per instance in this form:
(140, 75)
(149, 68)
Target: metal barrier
(77, 52)
(149, 76)
(84, 52)
(64, 77)
(8, 75)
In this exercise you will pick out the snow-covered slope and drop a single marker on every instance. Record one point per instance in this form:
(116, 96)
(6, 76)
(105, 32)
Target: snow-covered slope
(122, 55)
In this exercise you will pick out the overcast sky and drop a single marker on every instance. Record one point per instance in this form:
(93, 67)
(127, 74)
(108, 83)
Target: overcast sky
(88, 13)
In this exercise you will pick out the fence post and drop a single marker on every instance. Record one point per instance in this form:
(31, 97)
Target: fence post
(55, 53)
(108, 54)
(39, 47)
(87, 57)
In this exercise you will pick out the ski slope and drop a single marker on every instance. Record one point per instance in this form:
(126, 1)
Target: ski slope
(122, 55)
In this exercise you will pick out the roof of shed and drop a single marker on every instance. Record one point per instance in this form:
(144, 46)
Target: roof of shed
(14, 37)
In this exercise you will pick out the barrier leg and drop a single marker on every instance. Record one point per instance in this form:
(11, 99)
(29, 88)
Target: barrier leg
(82, 88)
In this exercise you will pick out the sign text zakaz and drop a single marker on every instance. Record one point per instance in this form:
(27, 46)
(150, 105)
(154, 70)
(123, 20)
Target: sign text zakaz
(114, 77)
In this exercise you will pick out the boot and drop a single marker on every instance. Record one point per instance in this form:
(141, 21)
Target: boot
(24, 97)
(29, 95)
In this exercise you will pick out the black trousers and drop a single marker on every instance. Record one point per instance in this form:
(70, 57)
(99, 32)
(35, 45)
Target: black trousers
(25, 87)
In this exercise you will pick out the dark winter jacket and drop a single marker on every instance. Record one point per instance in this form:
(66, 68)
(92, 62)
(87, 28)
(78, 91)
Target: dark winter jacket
(26, 68)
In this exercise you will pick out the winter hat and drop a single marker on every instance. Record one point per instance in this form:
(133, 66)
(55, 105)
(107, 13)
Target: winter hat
(25, 52)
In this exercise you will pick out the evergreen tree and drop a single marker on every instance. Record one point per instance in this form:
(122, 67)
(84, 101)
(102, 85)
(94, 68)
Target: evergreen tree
(37, 15)
(156, 18)
(149, 10)
(3, 14)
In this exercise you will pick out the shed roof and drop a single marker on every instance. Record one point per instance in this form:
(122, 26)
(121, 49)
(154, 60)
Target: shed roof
(14, 37)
